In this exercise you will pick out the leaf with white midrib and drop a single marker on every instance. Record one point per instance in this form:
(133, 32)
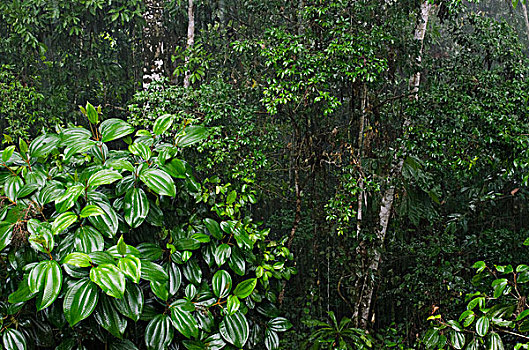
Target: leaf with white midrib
(235, 329)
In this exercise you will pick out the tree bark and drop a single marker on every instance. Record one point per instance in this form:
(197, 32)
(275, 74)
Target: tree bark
(190, 39)
(153, 43)
(526, 19)
(388, 197)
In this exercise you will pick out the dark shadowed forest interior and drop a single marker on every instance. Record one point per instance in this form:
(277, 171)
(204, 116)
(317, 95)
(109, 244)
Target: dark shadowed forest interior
(264, 174)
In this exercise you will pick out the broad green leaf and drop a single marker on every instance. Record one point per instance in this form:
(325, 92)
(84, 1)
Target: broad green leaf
(495, 342)
(36, 277)
(482, 326)
(192, 272)
(41, 238)
(110, 279)
(237, 262)
(213, 228)
(271, 340)
(51, 283)
(14, 340)
(159, 333)
(43, 145)
(121, 246)
(131, 305)
(78, 259)
(175, 278)
(109, 318)
(107, 223)
(222, 253)
(22, 293)
(233, 304)
(245, 288)
(112, 129)
(235, 329)
(7, 153)
(87, 239)
(141, 150)
(186, 244)
(279, 324)
(12, 186)
(162, 124)
(176, 168)
(153, 272)
(104, 177)
(63, 221)
(159, 181)
(184, 322)
(136, 207)
(91, 210)
(457, 339)
(431, 338)
(221, 284)
(150, 251)
(191, 135)
(160, 289)
(6, 234)
(91, 113)
(131, 267)
(68, 198)
(80, 301)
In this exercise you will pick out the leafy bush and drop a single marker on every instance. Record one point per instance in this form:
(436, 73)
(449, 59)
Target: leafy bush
(113, 246)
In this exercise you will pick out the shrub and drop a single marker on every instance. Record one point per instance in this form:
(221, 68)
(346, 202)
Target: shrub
(107, 243)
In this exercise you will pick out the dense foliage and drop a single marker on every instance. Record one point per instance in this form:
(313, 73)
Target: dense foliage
(336, 165)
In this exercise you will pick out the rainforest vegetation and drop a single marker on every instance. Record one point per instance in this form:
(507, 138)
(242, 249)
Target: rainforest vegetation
(264, 174)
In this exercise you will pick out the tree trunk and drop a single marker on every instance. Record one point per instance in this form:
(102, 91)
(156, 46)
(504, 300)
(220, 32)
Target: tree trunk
(153, 43)
(526, 19)
(190, 39)
(386, 205)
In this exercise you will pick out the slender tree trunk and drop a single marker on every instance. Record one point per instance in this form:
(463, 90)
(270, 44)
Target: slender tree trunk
(526, 19)
(388, 197)
(190, 39)
(361, 194)
(153, 44)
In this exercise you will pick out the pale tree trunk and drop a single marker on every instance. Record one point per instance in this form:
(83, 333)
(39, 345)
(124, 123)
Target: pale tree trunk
(362, 194)
(190, 39)
(153, 43)
(526, 19)
(388, 197)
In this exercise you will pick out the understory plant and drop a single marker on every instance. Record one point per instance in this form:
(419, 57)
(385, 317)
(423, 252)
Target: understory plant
(104, 240)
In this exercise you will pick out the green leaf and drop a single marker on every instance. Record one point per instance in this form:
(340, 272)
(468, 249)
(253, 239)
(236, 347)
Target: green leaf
(482, 326)
(12, 186)
(87, 239)
(222, 253)
(63, 221)
(136, 207)
(110, 279)
(107, 223)
(121, 246)
(184, 322)
(68, 198)
(41, 238)
(104, 177)
(51, 283)
(221, 284)
(235, 329)
(160, 289)
(77, 259)
(153, 272)
(91, 113)
(22, 293)
(279, 324)
(109, 318)
(175, 278)
(213, 228)
(233, 304)
(159, 333)
(13, 340)
(43, 145)
(431, 338)
(162, 124)
(112, 129)
(159, 181)
(495, 342)
(141, 150)
(176, 168)
(271, 340)
(7, 153)
(6, 234)
(131, 305)
(80, 301)
(191, 135)
(131, 267)
(245, 288)
(192, 272)
(457, 339)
